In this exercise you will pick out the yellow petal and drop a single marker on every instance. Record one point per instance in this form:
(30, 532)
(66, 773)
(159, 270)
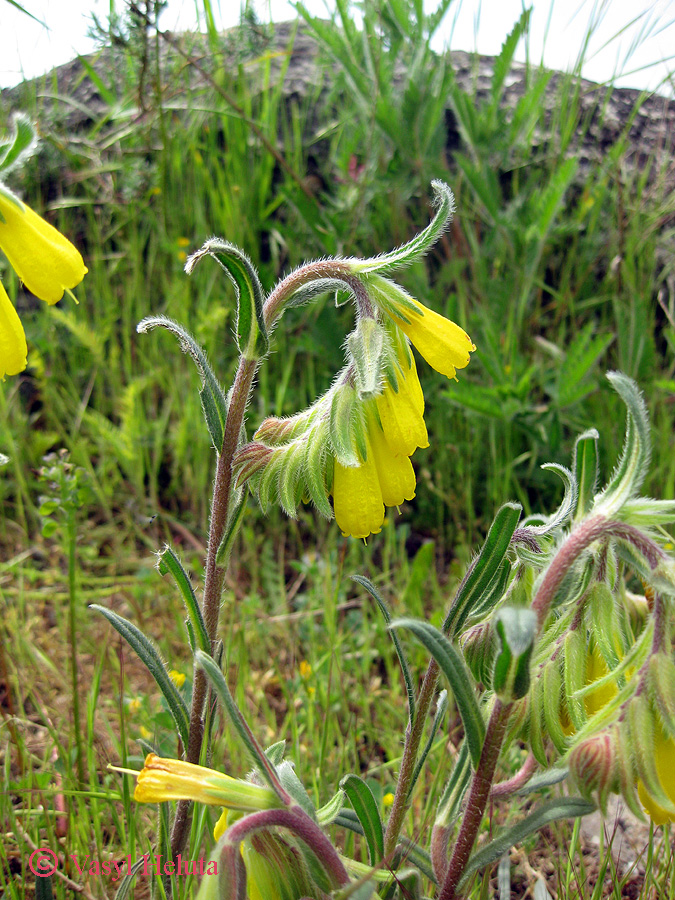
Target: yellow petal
(41, 256)
(664, 757)
(402, 421)
(412, 381)
(444, 345)
(13, 350)
(357, 498)
(394, 470)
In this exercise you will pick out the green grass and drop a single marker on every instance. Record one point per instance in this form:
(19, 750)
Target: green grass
(528, 269)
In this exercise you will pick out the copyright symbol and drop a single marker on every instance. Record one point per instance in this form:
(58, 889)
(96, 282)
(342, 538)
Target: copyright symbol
(43, 862)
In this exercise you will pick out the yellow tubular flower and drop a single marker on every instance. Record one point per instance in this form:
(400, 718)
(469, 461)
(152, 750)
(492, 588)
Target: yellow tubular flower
(172, 779)
(664, 758)
(395, 429)
(444, 345)
(13, 350)
(42, 257)
(358, 503)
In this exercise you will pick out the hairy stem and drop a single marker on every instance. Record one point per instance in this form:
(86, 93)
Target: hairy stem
(413, 738)
(214, 577)
(477, 800)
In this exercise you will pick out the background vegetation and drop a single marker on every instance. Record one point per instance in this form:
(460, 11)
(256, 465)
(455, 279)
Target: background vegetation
(558, 271)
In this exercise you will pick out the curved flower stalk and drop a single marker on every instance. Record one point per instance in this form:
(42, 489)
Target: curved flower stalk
(46, 261)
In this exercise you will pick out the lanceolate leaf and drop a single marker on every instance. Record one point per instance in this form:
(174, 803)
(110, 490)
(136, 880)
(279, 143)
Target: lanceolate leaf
(585, 468)
(563, 808)
(461, 681)
(214, 401)
(251, 329)
(632, 466)
(482, 572)
(365, 807)
(402, 658)
(149, 655)
(21, 144)
(255, 751)
(169, 562)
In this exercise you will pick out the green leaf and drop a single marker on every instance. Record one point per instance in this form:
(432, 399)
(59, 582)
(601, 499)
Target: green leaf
(453, 794)
(168, 562)
(585, 467)
(149, 655)
(562, 808)
(365, 807)
(20, 145)
(127, 882)
(516, 628)
(214, 401)
(255, 751)
(230, 533)
(327, 814)
(632, 467)
(251, 330)
(486, 566)
(459, 677)
(400, 652)
(408, 253)
(544, 779)
(503, 62)
(580, 357)
(565, 509)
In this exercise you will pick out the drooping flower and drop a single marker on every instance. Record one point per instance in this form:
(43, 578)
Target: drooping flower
(163, 779)
(385, 477)
(13, 349)
(442, 343)
(664, 759)
(44, 260)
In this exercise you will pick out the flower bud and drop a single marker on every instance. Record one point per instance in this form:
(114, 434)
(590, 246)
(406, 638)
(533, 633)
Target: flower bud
(479, 648)
(593, 766)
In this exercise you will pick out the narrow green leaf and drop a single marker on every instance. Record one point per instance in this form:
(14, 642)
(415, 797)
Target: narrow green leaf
(400, 652)
(485, 567)
(516, 628)
(453, 793)
(567, 506)
(251, 330)
(632, 467)
(127, 882)
(365, 807)
(227, 541)
(327, 814)
(149, 655)
(20, 144)
(168, 562)
(503, 62)
(214, 401)
(544, 779)
(585, 467)
(408, 253)
(459, 677)
(348, 819)
(255, 751)
(562, 808)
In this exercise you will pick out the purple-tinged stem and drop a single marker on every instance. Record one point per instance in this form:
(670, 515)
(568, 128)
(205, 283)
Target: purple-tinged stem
(477, 800)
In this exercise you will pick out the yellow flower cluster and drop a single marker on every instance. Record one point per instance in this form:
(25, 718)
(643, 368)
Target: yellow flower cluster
(395, 424)
(44, 260)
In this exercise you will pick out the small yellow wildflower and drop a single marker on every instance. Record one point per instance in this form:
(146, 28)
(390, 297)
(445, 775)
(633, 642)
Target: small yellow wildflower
(305, 669)
(388, 799)
(44, 260)
(177, 677)
(134, 705)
